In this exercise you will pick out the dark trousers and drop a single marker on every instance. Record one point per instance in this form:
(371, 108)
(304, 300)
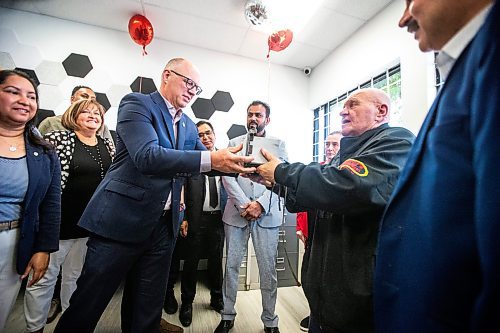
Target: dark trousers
(205, 241)
(144, 266)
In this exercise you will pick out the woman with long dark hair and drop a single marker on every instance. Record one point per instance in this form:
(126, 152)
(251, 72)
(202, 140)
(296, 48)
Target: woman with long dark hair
(30, 190)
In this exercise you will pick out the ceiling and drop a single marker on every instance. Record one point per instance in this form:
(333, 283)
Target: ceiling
(218, 25)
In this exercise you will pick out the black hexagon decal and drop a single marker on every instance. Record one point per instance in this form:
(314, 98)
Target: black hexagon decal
(143, 85)
(41, 114)
(77, 65)
(203, 108)
(222, 101)
(31, 73)
(103, 100)
(235, 131)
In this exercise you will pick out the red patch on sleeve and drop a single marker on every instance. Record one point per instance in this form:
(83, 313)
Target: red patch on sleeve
(356, 167)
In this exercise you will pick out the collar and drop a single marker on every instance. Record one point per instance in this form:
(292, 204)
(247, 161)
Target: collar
(176, 114)
(456, 45)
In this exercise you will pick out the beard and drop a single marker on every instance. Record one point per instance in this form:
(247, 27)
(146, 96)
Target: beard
(258, 128)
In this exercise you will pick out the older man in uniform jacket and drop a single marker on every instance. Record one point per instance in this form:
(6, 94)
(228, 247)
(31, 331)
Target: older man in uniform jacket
(337, 277)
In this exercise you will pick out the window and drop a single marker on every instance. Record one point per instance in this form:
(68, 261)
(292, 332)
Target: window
(389, 81)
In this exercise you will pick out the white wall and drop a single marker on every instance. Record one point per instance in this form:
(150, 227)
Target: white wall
(117, 61)
(376, 46)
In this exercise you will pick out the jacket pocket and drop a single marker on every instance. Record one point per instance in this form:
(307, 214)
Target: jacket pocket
(126, 189)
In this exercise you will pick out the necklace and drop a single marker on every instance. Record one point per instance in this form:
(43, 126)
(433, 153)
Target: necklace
(97, 159)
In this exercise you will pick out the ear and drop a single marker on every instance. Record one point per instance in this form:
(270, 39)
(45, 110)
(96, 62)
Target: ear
(166, 74)
(383, 112)
(268, 119)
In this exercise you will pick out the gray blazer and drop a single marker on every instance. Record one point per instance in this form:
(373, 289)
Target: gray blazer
(241, 191)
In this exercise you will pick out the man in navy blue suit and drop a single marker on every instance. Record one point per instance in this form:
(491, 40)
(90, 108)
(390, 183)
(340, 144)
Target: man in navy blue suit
(438, 261)
(134, 215)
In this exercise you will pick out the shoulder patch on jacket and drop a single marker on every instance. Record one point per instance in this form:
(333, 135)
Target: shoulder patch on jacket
(354, 166)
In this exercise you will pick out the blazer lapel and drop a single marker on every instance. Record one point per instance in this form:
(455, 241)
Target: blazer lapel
(34, 158)
(167, 117)
(181, 132)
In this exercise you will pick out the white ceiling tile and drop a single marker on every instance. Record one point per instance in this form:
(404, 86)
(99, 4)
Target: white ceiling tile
(328, 29)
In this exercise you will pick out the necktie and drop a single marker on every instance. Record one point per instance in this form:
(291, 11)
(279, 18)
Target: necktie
(212, 189)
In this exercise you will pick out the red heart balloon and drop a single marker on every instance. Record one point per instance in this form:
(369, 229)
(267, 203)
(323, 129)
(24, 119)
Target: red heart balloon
(140, 30)
(279, 40)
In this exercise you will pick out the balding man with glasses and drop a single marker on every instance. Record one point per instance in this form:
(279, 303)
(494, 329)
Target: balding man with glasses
(134, 215)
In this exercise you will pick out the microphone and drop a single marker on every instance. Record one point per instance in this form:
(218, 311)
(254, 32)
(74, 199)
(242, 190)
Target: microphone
(252, 129)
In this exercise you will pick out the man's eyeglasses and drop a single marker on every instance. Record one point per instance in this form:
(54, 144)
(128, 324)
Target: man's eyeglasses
(207, 133)
(189, 83)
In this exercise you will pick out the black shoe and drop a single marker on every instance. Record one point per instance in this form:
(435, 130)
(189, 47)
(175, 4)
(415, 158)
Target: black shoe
(217, 304)
(224, 326)
(54, 310)
(186, 314)
(170, 306)
(271, 330)
(304, 324)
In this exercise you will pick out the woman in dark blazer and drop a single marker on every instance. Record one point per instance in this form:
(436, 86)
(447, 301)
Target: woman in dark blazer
(30, 190)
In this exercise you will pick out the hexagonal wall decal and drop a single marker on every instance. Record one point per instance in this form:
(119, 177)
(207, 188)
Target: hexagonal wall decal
(6, 61)
(31, 73)
(41, 114)
(50, 72)
(222, 101)
(78, 65)
(25, 56)
(103, 100)
(203, 108)
(235, 131)
(143, 85)
(50, 96)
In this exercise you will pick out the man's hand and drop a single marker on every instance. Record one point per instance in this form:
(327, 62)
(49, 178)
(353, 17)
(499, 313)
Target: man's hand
(266, 170)
(38, 264)
(225, 160)
(252, 211)
(301, 236)
(184, 228)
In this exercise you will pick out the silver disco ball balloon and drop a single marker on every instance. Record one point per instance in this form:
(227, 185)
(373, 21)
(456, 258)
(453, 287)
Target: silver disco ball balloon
(255, 12)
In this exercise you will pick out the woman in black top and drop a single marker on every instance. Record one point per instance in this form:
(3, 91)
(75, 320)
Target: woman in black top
(85, 157)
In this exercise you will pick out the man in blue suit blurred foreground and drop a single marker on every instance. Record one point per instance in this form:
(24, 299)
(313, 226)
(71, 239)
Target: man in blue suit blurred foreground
(134, 215)
(438, 262)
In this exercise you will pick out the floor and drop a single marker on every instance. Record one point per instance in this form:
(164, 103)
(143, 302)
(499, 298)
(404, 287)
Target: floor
(291, 307)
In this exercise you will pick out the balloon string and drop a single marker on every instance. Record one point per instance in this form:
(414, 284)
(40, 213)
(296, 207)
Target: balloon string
(140, 84)
(143, 10)
(269, 80)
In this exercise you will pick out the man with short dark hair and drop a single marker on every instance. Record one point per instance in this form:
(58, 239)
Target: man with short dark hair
(251, 209)
(350, 197)
(437, 267)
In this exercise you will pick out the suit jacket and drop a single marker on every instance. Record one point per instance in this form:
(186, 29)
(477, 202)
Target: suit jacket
(41, 213)
(149, 164)
(241, 191)
(438, 262)
(195, 197)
